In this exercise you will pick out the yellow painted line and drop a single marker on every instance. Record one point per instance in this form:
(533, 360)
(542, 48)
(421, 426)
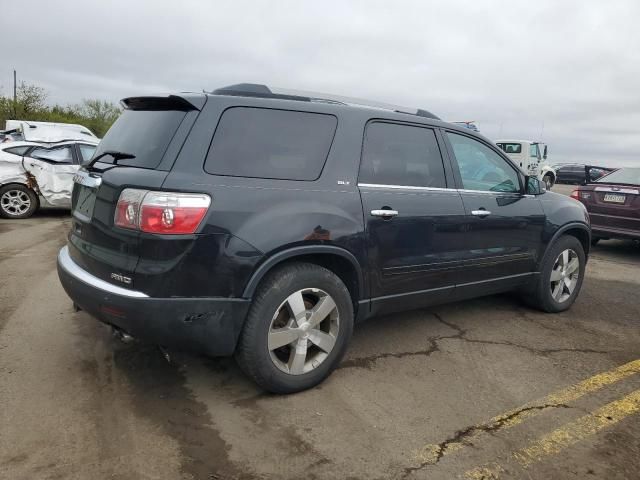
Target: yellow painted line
(431, 453)
(565, 436)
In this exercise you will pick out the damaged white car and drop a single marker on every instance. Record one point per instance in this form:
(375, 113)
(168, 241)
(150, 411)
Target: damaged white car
(40, 175)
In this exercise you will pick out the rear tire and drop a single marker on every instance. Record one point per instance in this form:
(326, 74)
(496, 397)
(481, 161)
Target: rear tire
(297, 329)
(560, 277)
(17, 201)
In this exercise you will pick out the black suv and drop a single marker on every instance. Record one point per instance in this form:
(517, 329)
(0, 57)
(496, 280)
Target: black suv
(262, 224)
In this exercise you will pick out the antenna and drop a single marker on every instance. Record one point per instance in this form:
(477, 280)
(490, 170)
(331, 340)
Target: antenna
(541, 131)
(15, 95)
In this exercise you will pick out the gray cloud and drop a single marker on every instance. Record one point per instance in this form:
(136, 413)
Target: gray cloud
(567, 70)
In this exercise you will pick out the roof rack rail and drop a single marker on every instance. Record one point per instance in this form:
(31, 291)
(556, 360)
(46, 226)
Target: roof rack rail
(262, 91)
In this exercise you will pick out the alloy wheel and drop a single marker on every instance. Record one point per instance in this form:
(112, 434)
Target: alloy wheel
(303, 331)
(15, 202)
(564, 275)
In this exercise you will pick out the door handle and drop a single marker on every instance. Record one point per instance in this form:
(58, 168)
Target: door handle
(384, 213)
(481, 213)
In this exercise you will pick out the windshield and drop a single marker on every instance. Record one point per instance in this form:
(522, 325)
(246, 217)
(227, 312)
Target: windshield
(143, 133)
(629, 176)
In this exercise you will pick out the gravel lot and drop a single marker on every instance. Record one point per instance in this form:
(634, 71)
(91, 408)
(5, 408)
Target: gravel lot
(482, 389)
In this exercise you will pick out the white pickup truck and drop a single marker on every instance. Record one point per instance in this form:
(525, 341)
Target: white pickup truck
(531, 157)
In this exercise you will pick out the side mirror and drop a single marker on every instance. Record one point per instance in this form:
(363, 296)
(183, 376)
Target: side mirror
(544, 155)
(533, 186)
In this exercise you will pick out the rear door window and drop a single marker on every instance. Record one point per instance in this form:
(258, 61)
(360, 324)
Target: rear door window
(401, 155)
(143, 133)
(267, 143)
(62, 155)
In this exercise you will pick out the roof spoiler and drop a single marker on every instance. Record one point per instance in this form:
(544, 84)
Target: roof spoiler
(183, 103)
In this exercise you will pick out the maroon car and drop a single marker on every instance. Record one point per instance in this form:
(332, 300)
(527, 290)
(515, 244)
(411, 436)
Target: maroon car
(613, 202)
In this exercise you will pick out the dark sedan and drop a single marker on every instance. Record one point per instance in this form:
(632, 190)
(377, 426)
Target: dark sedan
(579, 174)
(613, 203)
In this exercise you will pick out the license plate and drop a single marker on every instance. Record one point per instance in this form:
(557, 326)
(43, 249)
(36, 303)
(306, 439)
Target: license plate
(614, 198)
(85, 202)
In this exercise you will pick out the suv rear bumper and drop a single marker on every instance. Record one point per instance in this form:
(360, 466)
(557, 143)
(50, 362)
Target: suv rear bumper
(205, 325)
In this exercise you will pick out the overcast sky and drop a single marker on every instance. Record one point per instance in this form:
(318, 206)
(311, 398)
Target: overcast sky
(561, 71)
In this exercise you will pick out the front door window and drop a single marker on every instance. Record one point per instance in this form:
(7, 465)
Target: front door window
(481, 168)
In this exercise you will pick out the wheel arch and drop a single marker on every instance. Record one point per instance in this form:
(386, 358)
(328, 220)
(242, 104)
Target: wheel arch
(579, 230)
(15, 181)
(339, 260)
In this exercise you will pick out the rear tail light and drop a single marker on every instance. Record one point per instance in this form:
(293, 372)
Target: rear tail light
(575, 194)
(161, 212)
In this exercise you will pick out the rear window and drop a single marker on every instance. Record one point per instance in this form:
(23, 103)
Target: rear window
(267, 143)
(17, 150)
(143, 133)
(511, 147)
(629, 176)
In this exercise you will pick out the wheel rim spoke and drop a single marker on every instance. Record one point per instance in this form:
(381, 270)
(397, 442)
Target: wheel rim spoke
(297, 357)
(321, 310)
(297, 307)
(565, 258)
(322, 340)
(573, 265)
(567, 283)
(281, 337)
(556, 275)
(557, 291)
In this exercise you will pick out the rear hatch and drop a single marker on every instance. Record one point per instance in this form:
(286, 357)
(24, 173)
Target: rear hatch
(138, 152)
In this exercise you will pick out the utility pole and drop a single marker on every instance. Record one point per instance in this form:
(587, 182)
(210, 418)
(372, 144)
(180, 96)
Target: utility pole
(15, 95)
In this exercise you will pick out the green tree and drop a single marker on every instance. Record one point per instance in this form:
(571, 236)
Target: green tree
(96, 115)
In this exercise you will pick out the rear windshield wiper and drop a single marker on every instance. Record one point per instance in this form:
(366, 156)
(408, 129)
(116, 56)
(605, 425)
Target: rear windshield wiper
(113, 153)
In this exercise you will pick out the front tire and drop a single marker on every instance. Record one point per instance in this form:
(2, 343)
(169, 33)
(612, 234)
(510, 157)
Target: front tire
(548, 181)
(17, 201)
(297, 329)
(561, 275)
